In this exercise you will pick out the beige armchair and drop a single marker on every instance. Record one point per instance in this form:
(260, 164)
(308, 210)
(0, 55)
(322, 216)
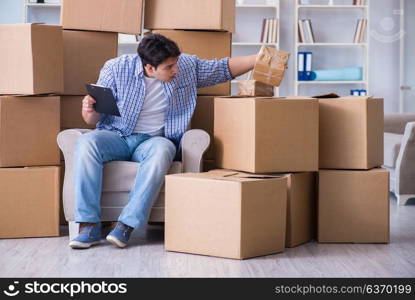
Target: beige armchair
(399, 157)
(118, 176)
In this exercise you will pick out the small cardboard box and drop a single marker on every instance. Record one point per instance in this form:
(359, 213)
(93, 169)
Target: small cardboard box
(205, 45)
(203, 119)
(266, 135)
(123, 16)
(353, 206)
(225, 214)
(28, 130)
(199, 15)
(270, 66)
(301, 208)
(29, 202)
(71, 113)
(85, 53)
(253, 88)
(351, 133)
(29, 63)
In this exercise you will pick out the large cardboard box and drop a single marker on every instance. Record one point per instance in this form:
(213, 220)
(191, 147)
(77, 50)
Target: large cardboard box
(28, 130)
(225, 214)
(353, 206)
(71, 113)
(29, 202)
(84, 55)
(205, 45)
(29, 63)
(122, 16)
(301, 208)
(197, 15)
(203, 119)
(351, 133)
(266, 135)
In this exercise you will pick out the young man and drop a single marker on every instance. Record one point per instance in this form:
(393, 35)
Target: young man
(156, 93)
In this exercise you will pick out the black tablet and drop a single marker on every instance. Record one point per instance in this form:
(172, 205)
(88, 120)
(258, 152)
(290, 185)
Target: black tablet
(105, 100)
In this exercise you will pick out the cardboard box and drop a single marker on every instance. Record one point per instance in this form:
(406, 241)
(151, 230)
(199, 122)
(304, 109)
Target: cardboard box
(29, 202)
(28, 130)
(266, 135)
(351, 133)
(205, 45)
(28, 63)
(301, 208)
(203, 119)
(123, 16)
(353, 206)
(225, 214)
(71, 113)
(85, 53)
(200, 15)
(270, 66)
(253, 88)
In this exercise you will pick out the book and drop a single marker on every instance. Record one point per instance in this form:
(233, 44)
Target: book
(358, 31)
(363, 31)
(310, 30)
(270, 31)
(301, 37)
(265, 39)
(262, 31)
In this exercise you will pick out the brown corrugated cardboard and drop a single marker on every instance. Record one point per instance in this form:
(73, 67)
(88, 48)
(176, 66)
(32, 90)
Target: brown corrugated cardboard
(222, 214)
(84, 55)
(28, 62)
(122, 16)
(205, 45)
(351, 133)
(28, 130)
(353, 206)
(270, 65)
(301, 208)
(71, 116)
(29, 202)
(253, 88)
(199, 15)
(203, 119)
(266, 135)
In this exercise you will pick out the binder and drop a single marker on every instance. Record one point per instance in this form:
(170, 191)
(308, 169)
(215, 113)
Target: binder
(301, 66)
(308, 64)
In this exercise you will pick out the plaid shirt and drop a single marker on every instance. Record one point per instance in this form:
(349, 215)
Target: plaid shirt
(125, 76)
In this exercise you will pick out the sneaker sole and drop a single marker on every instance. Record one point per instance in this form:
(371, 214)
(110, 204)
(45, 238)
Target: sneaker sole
(115, 241)
(80, 245)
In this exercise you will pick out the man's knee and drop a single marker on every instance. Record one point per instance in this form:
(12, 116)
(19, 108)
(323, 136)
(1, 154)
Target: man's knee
(162, 147)
(87, 143)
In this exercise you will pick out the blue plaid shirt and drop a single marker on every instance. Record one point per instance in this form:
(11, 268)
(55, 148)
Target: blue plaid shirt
(125, 76)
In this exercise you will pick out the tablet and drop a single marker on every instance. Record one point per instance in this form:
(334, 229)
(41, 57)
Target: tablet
(105, 100)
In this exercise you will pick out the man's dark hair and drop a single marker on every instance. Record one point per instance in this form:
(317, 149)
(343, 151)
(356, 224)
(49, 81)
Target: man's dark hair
(156, 48)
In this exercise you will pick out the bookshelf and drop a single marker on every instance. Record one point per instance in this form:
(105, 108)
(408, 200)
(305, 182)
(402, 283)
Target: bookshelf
(249, 16)
(328, 42)
(49, 13)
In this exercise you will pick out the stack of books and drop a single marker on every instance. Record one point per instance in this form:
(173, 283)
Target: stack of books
(269, 31)
(359, 2)
(305, 32)
(359, 36)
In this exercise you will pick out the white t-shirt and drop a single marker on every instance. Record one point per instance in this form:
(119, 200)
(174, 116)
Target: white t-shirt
(152, 116)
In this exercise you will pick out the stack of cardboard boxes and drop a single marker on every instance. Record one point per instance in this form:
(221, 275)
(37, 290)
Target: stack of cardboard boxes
(201, 28)
(29, 123)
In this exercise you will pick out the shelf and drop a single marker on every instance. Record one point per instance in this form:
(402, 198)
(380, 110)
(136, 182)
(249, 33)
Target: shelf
(254, 44)
(332, 44)
(49, 5)
(334, 6)
(331, 82)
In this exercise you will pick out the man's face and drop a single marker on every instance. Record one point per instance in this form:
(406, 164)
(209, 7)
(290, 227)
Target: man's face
(165, 71)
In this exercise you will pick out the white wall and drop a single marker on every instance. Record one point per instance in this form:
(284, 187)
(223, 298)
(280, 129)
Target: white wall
(384, 54)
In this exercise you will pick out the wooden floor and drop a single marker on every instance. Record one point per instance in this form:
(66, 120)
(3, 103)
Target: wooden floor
(145, 257)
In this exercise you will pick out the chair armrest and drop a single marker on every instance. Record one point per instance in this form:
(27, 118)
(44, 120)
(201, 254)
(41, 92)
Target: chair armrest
(66, 142)
(405, 163)
(395, 123)
(194, 144)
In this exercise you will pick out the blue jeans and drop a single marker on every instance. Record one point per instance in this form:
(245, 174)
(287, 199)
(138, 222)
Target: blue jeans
(93, 149)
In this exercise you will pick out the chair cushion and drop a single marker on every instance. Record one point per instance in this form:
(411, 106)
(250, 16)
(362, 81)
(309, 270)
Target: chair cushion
(119, 176)
(392, 146)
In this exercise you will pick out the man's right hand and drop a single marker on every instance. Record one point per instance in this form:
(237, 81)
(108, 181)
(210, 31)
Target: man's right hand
(89, 114)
